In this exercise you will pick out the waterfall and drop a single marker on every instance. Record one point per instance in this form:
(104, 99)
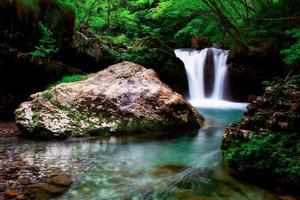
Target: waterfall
(196, 66)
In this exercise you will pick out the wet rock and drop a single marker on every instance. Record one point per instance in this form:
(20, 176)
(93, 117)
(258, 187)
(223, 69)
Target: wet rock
(45, 190)
(51, 187)
(287, 197)
(123, 98)
(199, 42)
(130, 174)
(87, 46)
(20, 197)
(284, 125)
(63, 180)
(167, 170)
(8, 129)
(11, 193)
(269, 90)
(86, 190)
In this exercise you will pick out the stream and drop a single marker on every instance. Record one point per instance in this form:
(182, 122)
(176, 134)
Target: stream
(183, 166)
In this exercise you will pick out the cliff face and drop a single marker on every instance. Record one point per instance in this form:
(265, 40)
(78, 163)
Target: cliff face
(249, 67)
(266, 142)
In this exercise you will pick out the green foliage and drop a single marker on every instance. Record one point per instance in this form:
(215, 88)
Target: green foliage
(47, 95)
(73, 78)
(257, 118)
(47, 44)
(294, 79)
(276, 155)
(69, 79)
(292, 54)
(121, 39)
(274, 82)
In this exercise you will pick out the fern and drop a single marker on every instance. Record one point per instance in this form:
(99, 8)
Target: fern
(47, 44)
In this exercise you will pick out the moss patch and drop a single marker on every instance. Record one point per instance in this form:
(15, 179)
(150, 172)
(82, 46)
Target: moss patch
(68, 79)
(139, 125)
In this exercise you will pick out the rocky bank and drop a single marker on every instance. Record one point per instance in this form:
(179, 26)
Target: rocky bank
(265, 143)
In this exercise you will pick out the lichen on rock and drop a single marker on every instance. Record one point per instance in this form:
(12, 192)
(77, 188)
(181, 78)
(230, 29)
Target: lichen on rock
(123, 98)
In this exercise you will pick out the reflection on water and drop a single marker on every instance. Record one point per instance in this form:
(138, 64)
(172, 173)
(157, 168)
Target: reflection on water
(183, 167)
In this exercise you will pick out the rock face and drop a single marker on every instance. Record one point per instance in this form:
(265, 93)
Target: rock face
(123, 98)
(248, 64)
(199, 42)
(277, 110)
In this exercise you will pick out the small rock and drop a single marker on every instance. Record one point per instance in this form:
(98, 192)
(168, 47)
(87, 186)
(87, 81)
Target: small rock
(63, 180)
(86, 190)
(269, 90)
(284, 125)
(20, 197)
(11, 193)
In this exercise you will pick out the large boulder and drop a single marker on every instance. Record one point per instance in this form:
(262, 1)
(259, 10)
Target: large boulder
(123, 98)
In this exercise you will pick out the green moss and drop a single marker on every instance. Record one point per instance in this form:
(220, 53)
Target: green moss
(92, 130)
(73, 115)
(68, 79)
(47, 95)
(139, 125)
(276, 155)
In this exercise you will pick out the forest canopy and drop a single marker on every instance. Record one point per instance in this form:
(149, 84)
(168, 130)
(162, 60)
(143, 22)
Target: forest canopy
(250, 23)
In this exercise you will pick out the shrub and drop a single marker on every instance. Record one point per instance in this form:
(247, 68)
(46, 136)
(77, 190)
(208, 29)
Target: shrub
(292, 54)
(276, 155)
(47, 44)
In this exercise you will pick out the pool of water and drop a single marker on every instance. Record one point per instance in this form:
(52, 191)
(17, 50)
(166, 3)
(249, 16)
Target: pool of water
(176, 166)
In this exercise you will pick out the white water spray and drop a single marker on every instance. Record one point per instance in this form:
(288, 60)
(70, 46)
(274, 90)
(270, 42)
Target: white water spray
(195, 63)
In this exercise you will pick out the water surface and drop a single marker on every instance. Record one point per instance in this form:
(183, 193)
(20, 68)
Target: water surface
(183, 166)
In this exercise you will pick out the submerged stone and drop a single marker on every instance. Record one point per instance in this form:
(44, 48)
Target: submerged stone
(51, 187)
(168, 170)
(123, 98)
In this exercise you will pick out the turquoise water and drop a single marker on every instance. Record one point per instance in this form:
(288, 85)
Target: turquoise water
(176, 166)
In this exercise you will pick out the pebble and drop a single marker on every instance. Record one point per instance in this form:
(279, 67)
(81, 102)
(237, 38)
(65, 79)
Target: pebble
(86, 190)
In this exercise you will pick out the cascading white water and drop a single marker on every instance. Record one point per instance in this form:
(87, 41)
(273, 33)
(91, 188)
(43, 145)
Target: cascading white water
(220, 59)
(195, 63)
